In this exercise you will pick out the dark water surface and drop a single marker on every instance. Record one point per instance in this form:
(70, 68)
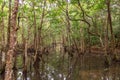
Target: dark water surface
(82, 68)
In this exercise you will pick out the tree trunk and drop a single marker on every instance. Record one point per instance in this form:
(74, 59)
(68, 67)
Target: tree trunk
(12, 44)
(9, 24)
(25, 61)
(107, 59)
(82, 42)
(2, 54)
(109, 19)
(36, 55)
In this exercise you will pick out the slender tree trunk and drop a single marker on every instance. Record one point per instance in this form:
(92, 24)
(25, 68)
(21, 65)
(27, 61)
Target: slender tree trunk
(36, 55)
(112, 39)
(12, 45)
(89, 25)
(68, 32)
(82, 42)
(9, 24)
(109, 19)
(107, 62)
(25, 61)
(40, 41)
(2, 39)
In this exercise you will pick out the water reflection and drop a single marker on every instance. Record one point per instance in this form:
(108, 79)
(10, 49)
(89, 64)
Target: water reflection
(86, 68)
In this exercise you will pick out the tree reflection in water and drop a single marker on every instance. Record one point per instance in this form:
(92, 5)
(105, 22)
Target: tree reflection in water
(86, 68)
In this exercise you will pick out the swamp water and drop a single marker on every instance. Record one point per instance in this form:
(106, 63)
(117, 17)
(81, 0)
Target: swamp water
(82, 68)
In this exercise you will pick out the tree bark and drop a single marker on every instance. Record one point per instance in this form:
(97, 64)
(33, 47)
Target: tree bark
(109, 19)
(2, 38)
(25, 60)
(36, 56)
(12, 44)
(9, 24)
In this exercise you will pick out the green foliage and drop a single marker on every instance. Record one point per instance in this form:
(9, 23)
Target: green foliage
(2, 14)
(19, 61)
(94, 40)
(55, 23)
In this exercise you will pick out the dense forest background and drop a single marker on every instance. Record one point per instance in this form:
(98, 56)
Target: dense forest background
(38, 33)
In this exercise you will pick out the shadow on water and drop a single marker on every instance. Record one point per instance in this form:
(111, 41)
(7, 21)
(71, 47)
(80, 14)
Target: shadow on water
(85, 68)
